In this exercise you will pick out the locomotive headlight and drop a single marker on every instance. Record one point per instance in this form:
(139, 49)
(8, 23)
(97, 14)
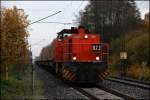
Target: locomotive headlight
(86, 36)
(59, 39)
(74, 58)
(97, 58)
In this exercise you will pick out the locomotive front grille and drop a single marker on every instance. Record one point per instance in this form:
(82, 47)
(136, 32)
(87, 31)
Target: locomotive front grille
(91, 72)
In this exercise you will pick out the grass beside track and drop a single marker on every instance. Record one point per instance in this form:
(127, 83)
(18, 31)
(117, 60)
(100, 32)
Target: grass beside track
(20, 87)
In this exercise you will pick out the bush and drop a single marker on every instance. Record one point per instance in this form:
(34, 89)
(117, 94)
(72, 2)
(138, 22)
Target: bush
(137, 47)
(139, 72)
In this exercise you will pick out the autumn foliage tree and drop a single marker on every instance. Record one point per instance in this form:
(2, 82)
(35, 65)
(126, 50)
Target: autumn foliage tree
(14, 45)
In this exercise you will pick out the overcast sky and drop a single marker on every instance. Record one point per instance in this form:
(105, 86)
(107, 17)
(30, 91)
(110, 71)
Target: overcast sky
(41, 34)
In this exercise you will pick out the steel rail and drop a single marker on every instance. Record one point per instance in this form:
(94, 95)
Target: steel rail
(117, 93)
(130, 79)
(131, 83)
(90, 96)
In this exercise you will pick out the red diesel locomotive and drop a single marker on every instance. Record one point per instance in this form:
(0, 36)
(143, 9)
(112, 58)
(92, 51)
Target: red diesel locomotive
(77, 55)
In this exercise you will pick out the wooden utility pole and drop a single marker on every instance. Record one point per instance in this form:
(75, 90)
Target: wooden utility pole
(32, 72)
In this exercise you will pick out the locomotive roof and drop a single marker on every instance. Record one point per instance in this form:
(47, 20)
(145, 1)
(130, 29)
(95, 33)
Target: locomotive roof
(69, 31)
(73, 30)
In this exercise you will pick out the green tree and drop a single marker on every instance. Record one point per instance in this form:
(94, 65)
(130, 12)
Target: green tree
(110, 18)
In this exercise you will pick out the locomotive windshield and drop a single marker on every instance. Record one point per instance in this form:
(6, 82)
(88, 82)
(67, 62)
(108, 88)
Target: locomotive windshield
(66, 35)
(60, 36)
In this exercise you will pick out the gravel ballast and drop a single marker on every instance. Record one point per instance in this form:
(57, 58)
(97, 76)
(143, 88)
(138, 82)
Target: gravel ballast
(132, 91)
(54, 88)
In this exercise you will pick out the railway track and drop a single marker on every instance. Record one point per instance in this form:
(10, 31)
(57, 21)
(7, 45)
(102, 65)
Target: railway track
(85, 93)
(130, 79)
(114, 92)
(88, 92)
(117, 93)
(100, 92)
(130, 82)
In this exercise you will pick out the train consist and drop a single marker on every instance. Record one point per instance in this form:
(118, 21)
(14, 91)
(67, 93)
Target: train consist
(77, 55)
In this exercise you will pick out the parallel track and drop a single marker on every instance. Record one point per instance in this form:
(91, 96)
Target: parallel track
(115, 93)
(130, 79)
(130, 82)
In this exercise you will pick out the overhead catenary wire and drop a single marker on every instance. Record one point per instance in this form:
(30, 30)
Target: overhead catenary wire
(38, 21)
(45, 17)
(64, 9)
(56, 22)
